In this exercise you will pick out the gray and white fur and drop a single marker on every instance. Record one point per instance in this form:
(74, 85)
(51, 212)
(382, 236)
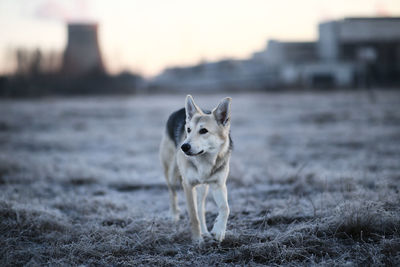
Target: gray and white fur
(195, 150)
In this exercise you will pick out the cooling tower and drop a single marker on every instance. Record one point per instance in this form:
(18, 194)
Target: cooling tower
(82, 54)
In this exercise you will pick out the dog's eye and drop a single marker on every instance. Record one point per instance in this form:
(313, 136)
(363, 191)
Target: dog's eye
(203, 131)
(188, 130)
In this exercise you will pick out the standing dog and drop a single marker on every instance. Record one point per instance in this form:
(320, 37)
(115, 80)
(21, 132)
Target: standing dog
(195, 150)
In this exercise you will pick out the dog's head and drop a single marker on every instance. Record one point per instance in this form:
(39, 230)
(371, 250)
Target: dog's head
(206, 132)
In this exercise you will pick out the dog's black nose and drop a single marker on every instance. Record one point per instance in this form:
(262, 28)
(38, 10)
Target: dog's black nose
(185, 147)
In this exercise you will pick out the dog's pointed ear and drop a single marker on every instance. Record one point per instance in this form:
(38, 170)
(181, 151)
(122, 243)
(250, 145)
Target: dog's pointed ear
(190, 107)
(222, 112)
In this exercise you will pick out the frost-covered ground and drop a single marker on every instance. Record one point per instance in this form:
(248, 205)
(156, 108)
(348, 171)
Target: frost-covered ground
(315, 179)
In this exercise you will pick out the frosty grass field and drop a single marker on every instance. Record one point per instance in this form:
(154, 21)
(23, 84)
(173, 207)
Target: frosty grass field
(315, 179)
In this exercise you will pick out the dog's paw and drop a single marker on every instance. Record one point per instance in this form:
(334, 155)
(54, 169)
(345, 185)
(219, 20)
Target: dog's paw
(174, 216)
(218, 234)
(207, 235)
(197, 240)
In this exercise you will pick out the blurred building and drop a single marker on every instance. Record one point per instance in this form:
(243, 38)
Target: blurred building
(299, 64)
(371, 44)
(352, 52)
(82, 54)
(222, 75)
(278, 52)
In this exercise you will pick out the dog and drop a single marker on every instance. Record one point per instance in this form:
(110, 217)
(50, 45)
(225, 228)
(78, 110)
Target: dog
(195, 150)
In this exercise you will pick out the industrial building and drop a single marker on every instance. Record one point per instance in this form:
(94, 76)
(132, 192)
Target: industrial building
(371, 44)
(352, 52)
(82, 54)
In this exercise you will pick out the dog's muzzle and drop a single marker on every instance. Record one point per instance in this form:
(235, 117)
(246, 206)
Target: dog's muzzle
(186, 149)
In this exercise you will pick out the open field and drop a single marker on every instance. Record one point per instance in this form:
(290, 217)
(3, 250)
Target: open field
(315, 179)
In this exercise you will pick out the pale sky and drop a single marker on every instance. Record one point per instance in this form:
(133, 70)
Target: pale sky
(149, 35)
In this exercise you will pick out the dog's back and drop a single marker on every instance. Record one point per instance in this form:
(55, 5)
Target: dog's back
(176, 126)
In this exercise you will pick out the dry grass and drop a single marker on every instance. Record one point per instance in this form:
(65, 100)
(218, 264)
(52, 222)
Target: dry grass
(322, 190)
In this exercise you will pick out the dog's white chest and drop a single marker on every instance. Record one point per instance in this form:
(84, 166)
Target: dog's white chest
(200, 174)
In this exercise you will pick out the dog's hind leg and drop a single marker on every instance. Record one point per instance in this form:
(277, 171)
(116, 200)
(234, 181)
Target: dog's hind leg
(171, 173)
(202, 191)
(173, 183)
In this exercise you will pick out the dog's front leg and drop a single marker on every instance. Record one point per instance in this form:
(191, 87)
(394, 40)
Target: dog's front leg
(201, 191)
(190, 193)
(221, 199)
